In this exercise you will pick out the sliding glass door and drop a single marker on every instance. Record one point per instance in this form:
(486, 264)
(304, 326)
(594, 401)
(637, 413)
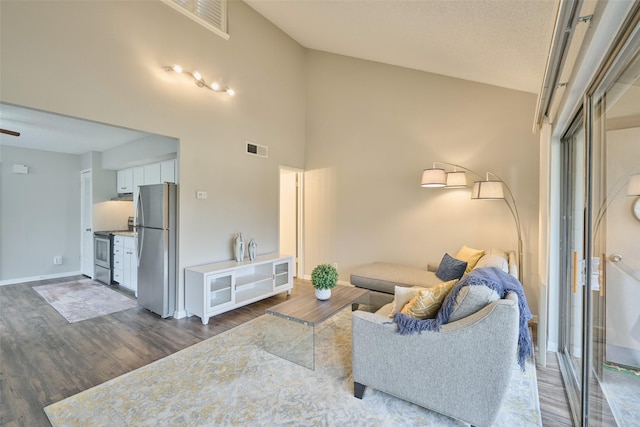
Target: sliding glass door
(573, 250)
(600, 232)
(615, 243)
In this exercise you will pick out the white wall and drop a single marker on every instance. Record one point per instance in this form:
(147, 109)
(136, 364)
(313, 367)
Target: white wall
(39, 213)
(102, 61)
(372, 129)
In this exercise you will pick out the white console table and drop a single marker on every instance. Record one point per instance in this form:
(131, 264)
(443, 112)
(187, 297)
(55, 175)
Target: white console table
(222, 286)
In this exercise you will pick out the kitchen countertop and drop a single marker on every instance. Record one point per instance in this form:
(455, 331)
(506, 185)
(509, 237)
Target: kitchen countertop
(123, 233)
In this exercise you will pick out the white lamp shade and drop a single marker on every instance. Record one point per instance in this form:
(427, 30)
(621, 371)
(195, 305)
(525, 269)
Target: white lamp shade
(633, 189)
(456, 179)
(434, 177)
(487, 190)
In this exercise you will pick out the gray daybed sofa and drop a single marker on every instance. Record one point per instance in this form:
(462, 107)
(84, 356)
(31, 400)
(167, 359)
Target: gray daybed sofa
(381, 278)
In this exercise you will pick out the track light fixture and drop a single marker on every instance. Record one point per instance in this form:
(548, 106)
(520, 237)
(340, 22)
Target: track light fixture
(199, 80)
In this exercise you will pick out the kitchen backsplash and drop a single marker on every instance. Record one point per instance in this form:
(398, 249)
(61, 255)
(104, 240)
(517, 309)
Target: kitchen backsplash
(112, 215)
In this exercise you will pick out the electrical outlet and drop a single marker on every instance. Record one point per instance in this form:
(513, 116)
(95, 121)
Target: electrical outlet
(335, 265)
(201, 194)
(57, 260)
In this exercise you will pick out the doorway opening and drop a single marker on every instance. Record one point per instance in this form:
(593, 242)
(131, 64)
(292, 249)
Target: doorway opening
(291, 214)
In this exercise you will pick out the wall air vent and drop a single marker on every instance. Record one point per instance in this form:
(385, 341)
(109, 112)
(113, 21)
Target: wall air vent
(257, 150)
(212, 14)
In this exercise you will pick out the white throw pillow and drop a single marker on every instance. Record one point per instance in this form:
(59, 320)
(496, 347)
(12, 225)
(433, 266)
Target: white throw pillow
(493, 261)
(403, 295)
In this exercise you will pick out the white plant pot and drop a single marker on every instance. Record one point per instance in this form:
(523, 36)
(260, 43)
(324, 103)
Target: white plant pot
(323, 294)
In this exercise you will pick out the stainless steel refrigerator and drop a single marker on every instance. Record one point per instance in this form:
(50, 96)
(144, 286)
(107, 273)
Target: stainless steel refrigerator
(156, 228)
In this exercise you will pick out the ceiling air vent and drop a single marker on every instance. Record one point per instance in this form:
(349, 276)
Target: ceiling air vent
(212, 14)
(257, 150)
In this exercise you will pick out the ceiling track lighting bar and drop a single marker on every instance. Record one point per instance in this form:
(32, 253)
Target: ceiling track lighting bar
(199, 80)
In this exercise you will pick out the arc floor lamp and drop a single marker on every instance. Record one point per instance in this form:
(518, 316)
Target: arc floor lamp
(484, 189)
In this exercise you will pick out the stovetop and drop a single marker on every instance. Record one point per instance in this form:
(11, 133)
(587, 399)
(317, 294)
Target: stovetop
(128, 233)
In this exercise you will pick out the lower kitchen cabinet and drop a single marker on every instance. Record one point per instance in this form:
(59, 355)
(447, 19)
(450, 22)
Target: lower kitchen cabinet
(125, 263)
(218, 287)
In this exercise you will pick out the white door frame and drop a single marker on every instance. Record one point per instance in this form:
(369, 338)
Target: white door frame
(299, 256)
(84, 204)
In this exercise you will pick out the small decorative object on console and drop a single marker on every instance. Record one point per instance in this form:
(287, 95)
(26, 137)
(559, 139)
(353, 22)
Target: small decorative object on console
(238, 248)
(324, 277)
(252, 247)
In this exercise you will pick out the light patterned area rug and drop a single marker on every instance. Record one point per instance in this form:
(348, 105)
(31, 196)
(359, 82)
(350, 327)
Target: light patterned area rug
(229, 380)
(84, 299)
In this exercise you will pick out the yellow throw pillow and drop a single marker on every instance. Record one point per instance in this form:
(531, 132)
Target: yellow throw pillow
(428, 301)
(403, 295)
(470, 255)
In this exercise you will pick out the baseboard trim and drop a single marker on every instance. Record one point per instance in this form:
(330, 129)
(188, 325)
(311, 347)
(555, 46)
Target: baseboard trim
(42, 277)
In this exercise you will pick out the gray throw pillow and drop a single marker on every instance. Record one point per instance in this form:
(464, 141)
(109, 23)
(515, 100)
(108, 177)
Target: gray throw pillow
(450, 268)
(471, 299)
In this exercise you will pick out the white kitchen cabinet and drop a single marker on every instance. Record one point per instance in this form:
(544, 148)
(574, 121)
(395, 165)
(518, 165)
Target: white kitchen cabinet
(152, 173)
(219, 287)
(128, 180)
(125, 263)
(118, 259)
(138, 180)
(124, 181)
(168, 171)
(130, 264)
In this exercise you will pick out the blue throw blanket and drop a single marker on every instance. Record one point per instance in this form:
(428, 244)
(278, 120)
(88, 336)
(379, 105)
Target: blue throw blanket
(491, 277)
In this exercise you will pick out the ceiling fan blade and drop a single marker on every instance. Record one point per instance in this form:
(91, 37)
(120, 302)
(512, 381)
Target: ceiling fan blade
(10, 132)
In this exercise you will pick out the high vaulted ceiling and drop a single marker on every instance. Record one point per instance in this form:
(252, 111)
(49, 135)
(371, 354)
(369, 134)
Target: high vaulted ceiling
(499, 42)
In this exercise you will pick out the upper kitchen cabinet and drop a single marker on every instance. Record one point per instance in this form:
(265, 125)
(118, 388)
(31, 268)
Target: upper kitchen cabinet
(138, 177)
(152, 173)
(124, 181)
(128, 180)
(138, 180)
(158, 173)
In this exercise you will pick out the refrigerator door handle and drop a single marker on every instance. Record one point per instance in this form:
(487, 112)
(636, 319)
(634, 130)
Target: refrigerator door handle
(139, 211)
(139, 225)
(140, 243)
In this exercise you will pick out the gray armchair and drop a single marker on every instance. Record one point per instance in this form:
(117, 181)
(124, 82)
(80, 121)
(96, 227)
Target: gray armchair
(462, 371)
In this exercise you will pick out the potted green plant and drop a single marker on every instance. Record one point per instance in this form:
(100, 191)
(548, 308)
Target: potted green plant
(324, 278)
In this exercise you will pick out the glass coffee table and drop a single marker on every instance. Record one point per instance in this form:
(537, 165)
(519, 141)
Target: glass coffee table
(291, 333)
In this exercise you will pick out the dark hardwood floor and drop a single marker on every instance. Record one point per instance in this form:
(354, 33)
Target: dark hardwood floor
(554, 404)
(44, 359)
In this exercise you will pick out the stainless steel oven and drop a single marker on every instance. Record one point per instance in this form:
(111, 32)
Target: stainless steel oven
(103, 256)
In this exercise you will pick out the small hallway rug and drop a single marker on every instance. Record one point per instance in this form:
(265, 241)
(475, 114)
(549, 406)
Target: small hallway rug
(229, 380)
(84, 299)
